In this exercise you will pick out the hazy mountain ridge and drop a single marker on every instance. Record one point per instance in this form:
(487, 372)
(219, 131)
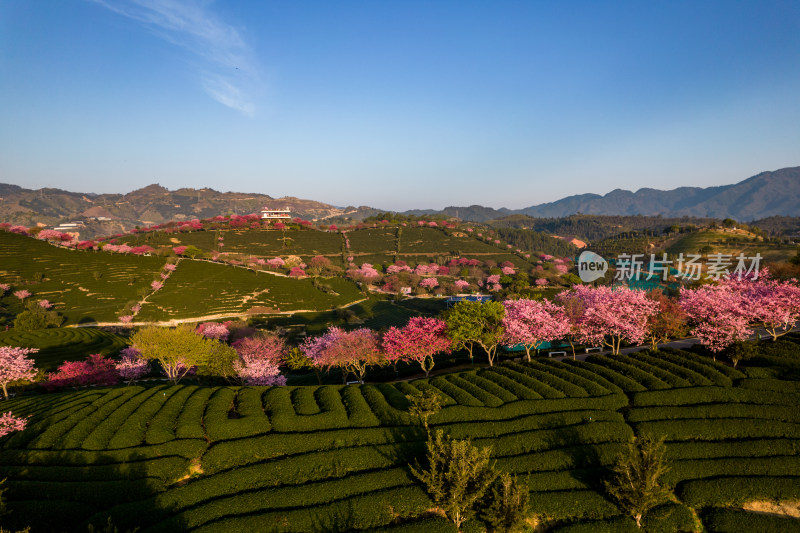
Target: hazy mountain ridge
(768, 194)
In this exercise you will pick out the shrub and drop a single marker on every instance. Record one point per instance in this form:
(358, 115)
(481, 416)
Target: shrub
(735, 520)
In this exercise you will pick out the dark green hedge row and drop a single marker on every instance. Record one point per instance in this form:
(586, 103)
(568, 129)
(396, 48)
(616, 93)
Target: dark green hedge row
(162, 426)
(548, 421)
(486, 384)
(278, 404)
(717, 410)
(580, 368)
(230, 454)
(730, 372)
(771, 384)
(461, 396)
(308, 496)
(700, 395)
(486, 398)
(568, 458)
(395, 398)
(360, 512)
(516, 388)
(550, 439)
(133, 432)
(740, 448)
(591, 385)
(660, 361)
(723, 491)
(719, 429)
(303, 400)
(737, 520)
(166, 469)
(739, 466)
(249, 418)
(75, 436)
(358, 412)
(510, 410)
(659, 371)
(706, 368)
(378, 402)
(572, 504)
(526, 387)
(669, 518)
(535, 371)
(114, 422)
(99, 493)
(188, 448)
(617, 524)
(422, 384)
(46, 515)
(189, 424)
(51, 431)
(521, 375)
(632, 371)
(623, 382)
(574, 479)
(428, 524)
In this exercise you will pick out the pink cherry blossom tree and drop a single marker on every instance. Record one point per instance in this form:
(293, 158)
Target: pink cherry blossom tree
(259, 359)
(773, 303)
(429, 283)
(15, 366)
(719, 315)
(22, 294)
(350, 351)
(9, 423)
(531, 323)
(213, 330)
(614, 315)
(132, 365)
(418, 341)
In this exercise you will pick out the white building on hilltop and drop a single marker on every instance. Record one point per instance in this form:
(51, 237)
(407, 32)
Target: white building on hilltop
(275, 214)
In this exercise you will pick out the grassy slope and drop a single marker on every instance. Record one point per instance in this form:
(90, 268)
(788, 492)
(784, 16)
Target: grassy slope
(64, 344)
(727, 243)
(334, 458)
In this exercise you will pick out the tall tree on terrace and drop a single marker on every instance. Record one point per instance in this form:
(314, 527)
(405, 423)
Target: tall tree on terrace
(15, 366)
(719, 315)
(419, 341)
(179, 349)
(573, 311)
(613, 315)
(471, 323)
(259, 359)
(668, 323)
(531, 323)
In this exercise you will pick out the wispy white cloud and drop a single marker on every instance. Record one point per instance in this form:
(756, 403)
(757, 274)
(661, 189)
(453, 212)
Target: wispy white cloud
(228, 72)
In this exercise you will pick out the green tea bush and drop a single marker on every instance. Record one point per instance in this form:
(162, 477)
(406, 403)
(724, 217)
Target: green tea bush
(524, 376)
(514, 387)
(776, 385)
(120, 422)
(706, 368)
(653, 361)
(536, 371)
(700, 395)
(162, 426)
(358, 412)
(669, 518)
(712, 411)
(379, 405)
(304, 402)
(633, 371)
(563, 421)
(739, 466)
(567, 373)
(482, 395)
(659, 371)
(735, 490)
(189, 424)
(736, 520)
(618, 524)
(579, 368)
(574, 504)
(278, 405)
(88, 421)
(623, 382)
(462, 397)
(528, 442)
(720, 429)
(479, 380)
(730, 449)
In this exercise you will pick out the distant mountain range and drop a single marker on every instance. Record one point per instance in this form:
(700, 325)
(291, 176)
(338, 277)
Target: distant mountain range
(761, 196)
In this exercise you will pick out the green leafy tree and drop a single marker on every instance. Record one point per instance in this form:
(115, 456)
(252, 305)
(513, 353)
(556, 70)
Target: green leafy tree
(636, 481)
(178, 350)
(457, 476)
(508, 505)
(423, 405)
(471, 323)
(35, 317)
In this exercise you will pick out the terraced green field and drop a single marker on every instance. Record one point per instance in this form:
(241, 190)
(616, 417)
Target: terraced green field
(84, 286)
(204, 288)
(64, 344)
(334, 458)
(418, 240)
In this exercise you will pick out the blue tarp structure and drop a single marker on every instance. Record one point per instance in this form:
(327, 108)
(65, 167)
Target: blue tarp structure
(452, 300)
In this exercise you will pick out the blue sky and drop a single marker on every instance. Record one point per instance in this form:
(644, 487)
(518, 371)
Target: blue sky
(397, 104)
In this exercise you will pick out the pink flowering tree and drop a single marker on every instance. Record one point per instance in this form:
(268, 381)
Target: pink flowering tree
(418, 341)
(9, 423)
(213, 330)
(276, 262)
(259, 360)
(22, 294)
(718, 314)
(366, 274)
(614, 315)
(531, 323)
(461, 285)
(4, 288)
(95, 370)
(15, 366)
(45, 304)
(429, 283)
(773, 303)
(132, 365)
(350, 351)
(156, 285)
